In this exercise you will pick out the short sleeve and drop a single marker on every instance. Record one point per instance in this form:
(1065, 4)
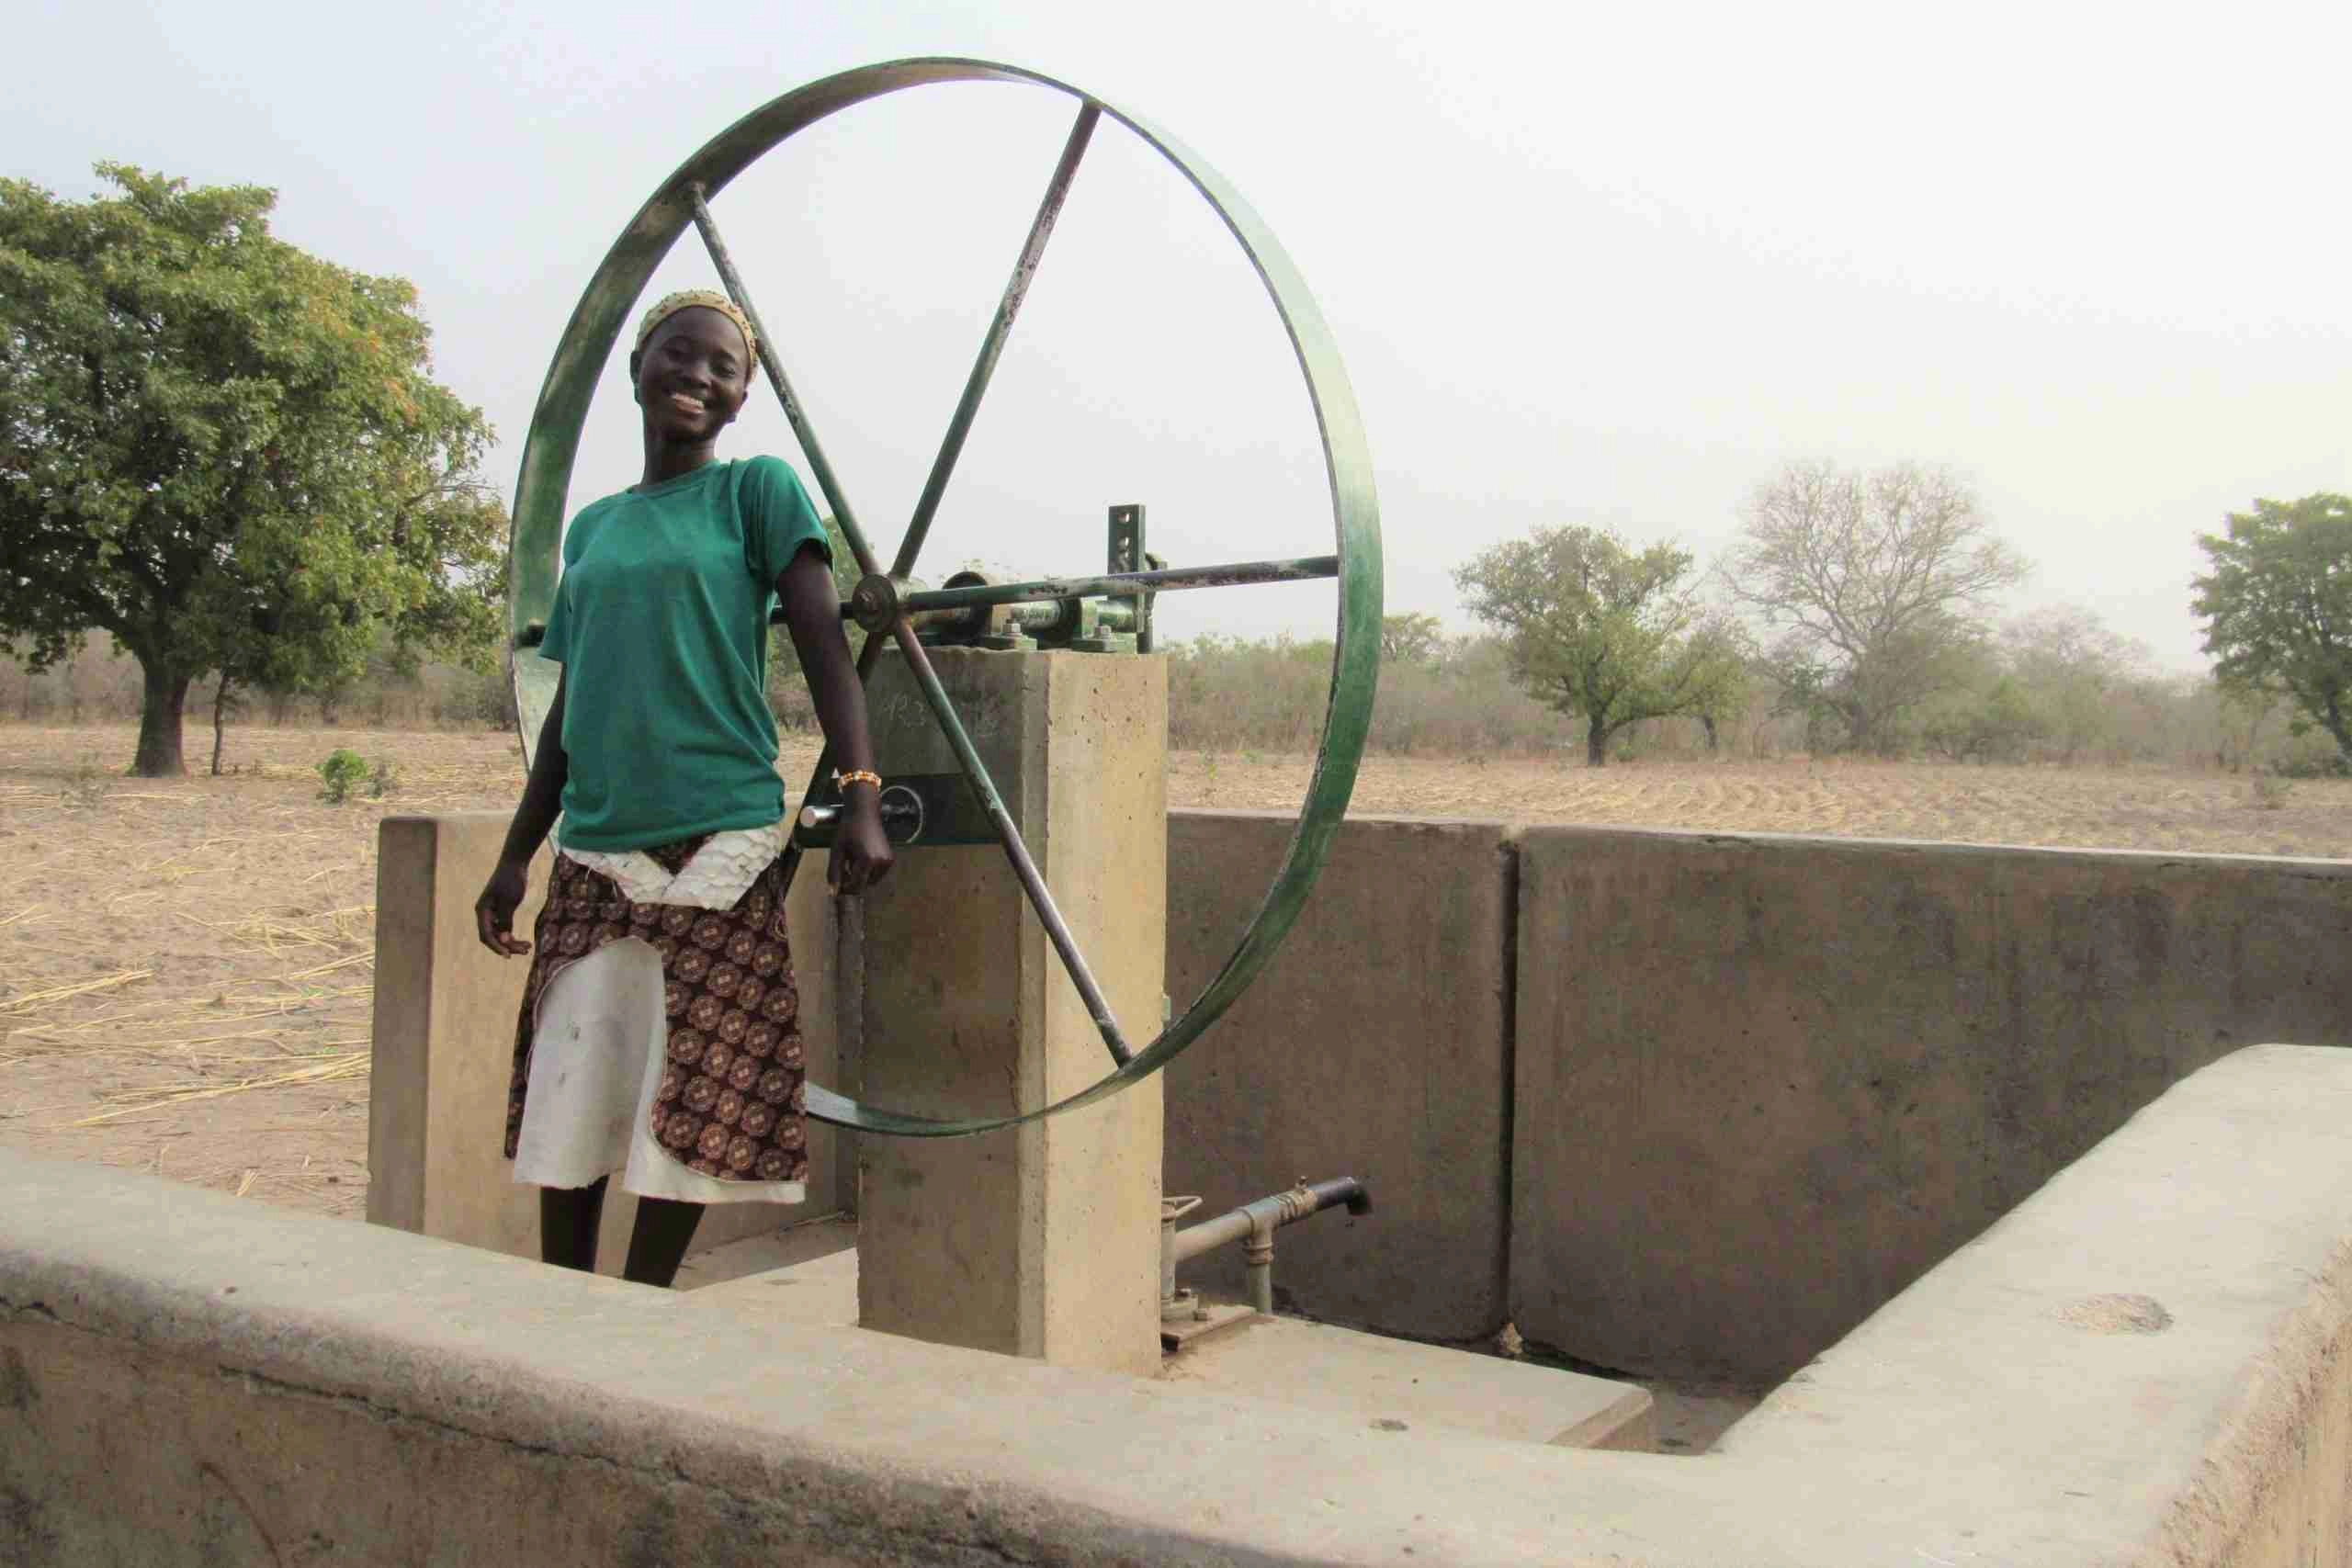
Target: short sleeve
(778, 519)
(557, 643)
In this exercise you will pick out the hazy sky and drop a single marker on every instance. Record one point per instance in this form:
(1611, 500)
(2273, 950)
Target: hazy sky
(1586, 264)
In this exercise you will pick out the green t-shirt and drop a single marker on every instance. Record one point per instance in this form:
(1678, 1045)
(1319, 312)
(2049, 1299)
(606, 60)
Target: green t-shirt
(661, 622)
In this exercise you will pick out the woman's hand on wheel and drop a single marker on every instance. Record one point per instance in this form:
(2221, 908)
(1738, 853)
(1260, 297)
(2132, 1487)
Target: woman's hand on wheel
(862, 854)
(495, 910)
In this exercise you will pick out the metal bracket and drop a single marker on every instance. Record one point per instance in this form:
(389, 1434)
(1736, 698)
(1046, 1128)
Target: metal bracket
(1121, 624)
(926, 809)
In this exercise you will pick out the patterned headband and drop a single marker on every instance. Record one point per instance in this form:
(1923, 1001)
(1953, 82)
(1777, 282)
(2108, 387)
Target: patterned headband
(699, 298)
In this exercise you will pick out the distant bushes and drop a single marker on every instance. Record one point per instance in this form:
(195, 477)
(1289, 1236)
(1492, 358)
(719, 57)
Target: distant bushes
(1268, 695)
(102, 685)
(1226, 695)
(2014, 704)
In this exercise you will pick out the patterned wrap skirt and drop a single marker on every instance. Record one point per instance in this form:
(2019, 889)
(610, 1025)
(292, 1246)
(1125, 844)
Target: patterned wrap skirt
(729, 1105)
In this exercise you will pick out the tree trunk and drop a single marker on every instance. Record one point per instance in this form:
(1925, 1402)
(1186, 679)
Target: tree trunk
(2333, 719)
(221, 702)
(1596, 743)
(159, 721)
(1713, 741)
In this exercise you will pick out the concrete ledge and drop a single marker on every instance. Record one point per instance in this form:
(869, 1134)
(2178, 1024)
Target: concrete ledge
(187, 1379)
(2146, 1364)
(2148, 1359)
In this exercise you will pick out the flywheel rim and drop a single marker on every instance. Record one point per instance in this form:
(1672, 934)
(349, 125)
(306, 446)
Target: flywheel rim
(552, 446)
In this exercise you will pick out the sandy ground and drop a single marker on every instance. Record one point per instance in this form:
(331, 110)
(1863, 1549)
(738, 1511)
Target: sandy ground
(185, 964)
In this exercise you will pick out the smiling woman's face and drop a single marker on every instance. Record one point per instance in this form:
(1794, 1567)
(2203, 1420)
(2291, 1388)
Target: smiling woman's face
(692, 376)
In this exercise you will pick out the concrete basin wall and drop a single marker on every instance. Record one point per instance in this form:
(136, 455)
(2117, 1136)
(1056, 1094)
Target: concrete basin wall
(1728, 1094)
(1763, 1084)
(1683, 1104)
(2145, 1364)
(1377, 1044)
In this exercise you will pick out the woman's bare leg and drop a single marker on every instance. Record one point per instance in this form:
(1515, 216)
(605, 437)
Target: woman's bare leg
(569, 1217)
(665, 1227)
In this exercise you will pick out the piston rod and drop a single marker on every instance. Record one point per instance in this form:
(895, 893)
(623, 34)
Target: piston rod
(1167, 580)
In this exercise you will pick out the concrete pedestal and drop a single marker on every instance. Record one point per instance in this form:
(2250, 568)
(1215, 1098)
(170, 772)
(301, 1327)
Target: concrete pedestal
(1042, 1241)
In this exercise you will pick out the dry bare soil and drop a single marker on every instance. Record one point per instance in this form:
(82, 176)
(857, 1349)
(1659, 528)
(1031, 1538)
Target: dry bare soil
(185, 980)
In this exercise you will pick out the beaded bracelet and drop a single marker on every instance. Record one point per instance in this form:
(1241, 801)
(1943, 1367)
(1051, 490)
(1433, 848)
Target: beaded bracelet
(858, 775)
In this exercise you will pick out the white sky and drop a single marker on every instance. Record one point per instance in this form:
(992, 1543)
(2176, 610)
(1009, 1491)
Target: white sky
(1586, 264)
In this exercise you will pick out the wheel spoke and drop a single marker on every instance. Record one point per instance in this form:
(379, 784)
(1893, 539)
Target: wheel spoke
(976, 385)
(552, 446)
(793, 410)
(1016, 290)
(825, 480)
(1057, 929)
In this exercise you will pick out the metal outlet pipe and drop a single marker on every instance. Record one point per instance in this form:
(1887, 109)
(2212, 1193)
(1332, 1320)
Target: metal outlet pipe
(1254, 1224)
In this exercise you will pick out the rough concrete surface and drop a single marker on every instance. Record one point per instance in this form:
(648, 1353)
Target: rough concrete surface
(189, 1378)
(445, 1009)
(1763, 1084)
(1396, 1385)
(1280, 1358)
(2160, 1333)
(1041, 1240)
(1376, 1045)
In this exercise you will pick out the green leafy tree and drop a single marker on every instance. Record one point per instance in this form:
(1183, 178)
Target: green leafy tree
(1603, 632)
(228, 453)
(1876, 583)
(1410, 638)
(2278, 606)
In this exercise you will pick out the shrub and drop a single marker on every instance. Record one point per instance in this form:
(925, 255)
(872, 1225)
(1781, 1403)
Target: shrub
(338, 773)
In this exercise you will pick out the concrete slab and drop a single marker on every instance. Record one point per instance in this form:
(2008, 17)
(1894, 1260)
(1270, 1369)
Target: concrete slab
(814, 1246)
(1395, 1385)
(820, 1291)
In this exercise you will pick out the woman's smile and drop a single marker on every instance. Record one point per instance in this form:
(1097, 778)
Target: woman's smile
(691, 374)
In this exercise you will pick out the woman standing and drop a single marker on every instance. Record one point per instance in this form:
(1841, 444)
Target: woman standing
(659, 1033)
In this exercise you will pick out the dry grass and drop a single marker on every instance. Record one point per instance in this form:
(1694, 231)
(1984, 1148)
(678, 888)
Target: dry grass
(184, 979)
(2141, 808)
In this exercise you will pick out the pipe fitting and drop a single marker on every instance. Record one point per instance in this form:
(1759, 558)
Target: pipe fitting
(1253, 1225)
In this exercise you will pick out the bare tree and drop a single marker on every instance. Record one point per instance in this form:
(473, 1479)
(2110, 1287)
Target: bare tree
(1876, 583)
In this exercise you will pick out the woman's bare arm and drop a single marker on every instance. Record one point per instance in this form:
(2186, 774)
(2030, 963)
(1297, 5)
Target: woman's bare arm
(812, 613)
(542, 801)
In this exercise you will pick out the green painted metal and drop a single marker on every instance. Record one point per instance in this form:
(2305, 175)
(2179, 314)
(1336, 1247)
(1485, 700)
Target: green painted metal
(795, 413)
(552, 446)
(1041, 899)
(1016, 290)
(1118, 585)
